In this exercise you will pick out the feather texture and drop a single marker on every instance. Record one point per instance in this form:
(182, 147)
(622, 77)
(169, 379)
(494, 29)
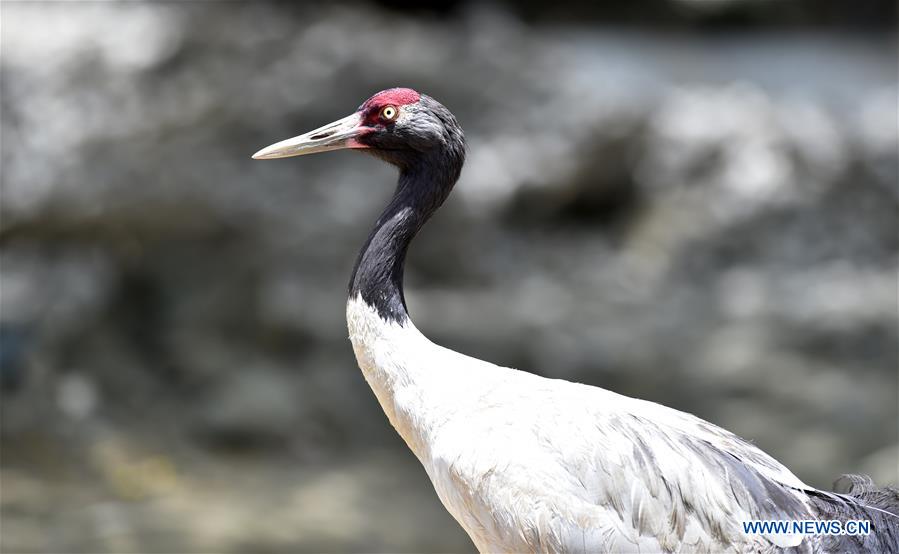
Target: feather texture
(529, 464)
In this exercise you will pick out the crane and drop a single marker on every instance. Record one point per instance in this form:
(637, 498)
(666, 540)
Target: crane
(530, 464)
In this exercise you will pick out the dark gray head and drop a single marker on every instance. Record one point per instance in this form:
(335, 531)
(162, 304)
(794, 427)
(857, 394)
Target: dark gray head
(399, 125)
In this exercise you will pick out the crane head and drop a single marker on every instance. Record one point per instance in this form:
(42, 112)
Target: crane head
(398, 125)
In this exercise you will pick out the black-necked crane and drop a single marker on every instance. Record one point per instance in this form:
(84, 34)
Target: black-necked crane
(529, 464)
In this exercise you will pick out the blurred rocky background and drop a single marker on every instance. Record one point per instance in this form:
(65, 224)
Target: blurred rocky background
(689, 201)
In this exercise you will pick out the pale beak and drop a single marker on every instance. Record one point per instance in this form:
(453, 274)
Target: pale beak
(333, 136)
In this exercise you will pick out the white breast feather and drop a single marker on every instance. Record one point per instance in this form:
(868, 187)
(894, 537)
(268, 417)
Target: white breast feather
(529, 464)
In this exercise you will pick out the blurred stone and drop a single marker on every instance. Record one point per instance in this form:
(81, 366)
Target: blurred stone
(255, 405)
(76, 396)
(706, 221)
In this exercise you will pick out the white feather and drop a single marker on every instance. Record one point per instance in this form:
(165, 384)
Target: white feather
(529, 464)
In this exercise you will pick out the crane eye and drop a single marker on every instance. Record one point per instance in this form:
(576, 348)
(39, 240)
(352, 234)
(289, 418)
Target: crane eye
(389, 113)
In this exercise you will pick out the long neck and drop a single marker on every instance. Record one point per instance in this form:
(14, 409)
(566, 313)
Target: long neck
(378, 275)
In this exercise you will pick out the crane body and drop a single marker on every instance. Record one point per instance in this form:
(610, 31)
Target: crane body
(530, 464)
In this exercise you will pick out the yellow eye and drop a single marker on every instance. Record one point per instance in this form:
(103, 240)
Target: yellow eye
(389, 113)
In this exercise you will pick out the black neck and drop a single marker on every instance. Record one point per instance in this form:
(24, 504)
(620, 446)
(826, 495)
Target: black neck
(378, 275)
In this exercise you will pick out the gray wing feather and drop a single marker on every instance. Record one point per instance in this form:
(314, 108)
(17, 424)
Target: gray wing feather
(764, 489)
(860, 500)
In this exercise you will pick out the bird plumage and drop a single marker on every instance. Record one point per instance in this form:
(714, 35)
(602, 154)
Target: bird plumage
(529, 464)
